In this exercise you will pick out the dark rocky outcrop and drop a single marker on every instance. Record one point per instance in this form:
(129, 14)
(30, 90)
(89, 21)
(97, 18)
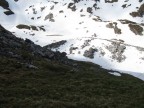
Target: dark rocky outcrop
(136, 29)
(5, 5)
(30, 27)
(125, 21)
(90, 53)
(50, 17)
(72, 49)
(115, 27)
(117, 49)
(72, 6)
(86, 43)
(139, 12)
(25, 50)
(23, 26)
(55, 45)
(110, 1)
(89, 10)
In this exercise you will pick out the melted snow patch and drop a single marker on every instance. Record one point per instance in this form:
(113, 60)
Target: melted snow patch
(115, 73)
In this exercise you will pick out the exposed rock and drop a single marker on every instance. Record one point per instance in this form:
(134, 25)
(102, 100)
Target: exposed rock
(117, 30)
(72, 6)
(140, 48)
(5, 5)
(117, 50)
(50, 17)
(101, 51)
(26, 51)
(42, 28)
(90, 53)
(22, 26)
(42, 8)
(139, 12)
(110, 1)
(30, 27)
(89, 10)
(34, 28)
(9, 12)
(140, 0)
(34, 11)
(136, 29)
(110, 25)
(76, 1)
(97, 19)
(72, 48)
(28, 41)
(114, 26)
(61, 11)
(127, 22)
(55, 45)
(86, 43)
(142, 58)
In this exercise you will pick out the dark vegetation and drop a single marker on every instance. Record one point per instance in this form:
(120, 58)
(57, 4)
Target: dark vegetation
(57, 85)
(58, 82)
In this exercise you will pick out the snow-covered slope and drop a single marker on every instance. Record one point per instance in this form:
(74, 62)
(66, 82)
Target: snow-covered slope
(107, 32)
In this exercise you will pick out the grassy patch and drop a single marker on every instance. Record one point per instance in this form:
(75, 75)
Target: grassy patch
(55, 85)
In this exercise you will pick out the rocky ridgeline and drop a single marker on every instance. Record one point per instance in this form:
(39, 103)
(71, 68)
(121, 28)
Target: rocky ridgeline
(25, 50)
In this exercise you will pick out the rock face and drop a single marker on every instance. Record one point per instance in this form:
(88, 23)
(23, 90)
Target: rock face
(72, 49)
(72, 6)
(50, 17)
(25, 50)
(136, 29)
(139, 12)
(114, 26)
(90, 53)
(30, 27)
(117, 50)
(55, 45)
(5, 5)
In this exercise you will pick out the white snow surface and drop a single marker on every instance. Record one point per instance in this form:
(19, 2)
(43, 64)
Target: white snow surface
(115, 73)
(78, 26)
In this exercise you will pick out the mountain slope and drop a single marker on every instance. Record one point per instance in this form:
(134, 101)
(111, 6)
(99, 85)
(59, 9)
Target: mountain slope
(49, 82)
(110, 29)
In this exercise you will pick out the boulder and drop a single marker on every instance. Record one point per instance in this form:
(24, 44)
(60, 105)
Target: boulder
(90, 53)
